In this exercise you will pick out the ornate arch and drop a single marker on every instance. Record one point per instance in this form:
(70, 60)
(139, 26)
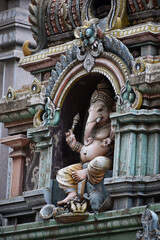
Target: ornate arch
(108, 65)
(107, 56)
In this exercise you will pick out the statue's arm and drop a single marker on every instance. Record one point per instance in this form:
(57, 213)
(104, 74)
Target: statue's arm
(72, 142)
(110, 139)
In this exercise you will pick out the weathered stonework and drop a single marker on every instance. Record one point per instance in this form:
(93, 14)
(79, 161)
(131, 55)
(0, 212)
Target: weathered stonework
(14, 29)
(122, 47)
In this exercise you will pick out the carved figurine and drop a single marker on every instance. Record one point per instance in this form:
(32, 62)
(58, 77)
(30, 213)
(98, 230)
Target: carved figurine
(97, 150)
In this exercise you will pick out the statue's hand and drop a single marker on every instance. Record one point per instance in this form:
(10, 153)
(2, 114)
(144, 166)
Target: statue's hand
(70, 139)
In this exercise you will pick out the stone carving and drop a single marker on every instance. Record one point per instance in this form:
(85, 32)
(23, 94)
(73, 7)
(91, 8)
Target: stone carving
(10, 95)
(36, 86)
(150, 226)
(37, 10)
(129, 98)
(95, 152)
(49, 111)
(139, 65)
(75, 212)
(65, 60)
(90, 34)
(93, 44)
(32, 170)
(126, 98)
(112, 14)
(111, 44)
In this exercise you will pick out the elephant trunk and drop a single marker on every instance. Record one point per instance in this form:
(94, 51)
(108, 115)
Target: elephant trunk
(88, 133)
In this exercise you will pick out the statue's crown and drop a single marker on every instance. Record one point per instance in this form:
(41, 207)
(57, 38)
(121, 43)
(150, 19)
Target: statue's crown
(103, 93)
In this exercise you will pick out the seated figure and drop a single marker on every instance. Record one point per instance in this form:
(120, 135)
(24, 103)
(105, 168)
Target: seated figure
(97, 150)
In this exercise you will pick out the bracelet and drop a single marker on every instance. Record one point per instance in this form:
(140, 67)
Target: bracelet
(76, 147)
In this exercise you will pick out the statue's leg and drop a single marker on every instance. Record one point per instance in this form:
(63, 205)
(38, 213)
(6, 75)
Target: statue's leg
(66, 181)
(97, 168)
(98, 195)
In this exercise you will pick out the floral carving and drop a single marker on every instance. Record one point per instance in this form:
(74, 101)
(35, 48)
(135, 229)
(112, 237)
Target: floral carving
(32, 170)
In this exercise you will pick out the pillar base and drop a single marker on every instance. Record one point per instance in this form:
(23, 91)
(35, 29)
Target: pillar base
(133, 191)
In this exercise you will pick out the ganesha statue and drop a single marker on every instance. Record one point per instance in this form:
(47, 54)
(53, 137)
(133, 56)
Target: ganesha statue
(96, 151)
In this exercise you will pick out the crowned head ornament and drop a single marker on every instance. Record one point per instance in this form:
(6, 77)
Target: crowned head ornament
(103, 93)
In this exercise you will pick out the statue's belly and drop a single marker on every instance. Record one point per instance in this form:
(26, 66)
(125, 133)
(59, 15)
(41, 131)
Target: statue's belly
(93, 150)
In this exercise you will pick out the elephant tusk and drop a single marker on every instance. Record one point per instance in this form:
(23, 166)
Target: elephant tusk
(98, 119)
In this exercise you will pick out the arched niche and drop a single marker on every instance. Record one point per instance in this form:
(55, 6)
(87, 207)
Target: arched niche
(76, 100)
(71, 94)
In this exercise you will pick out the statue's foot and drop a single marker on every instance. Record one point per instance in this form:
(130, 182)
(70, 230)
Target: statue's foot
(79, 175)
(70, 196)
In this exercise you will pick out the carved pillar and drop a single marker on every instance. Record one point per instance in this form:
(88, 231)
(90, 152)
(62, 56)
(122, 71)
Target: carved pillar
(136, 167)
(41, 136)
(17, 142)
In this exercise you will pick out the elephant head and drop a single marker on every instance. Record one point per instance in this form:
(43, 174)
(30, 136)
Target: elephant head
(98, 117)
(101, 105)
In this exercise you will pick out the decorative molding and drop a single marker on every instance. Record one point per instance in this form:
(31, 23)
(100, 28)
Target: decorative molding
(114, 45)
(108, 223)
(11, 54)
(139, 65)
(8, 37)
(11, 94)
(29, 201)
(49, 53)
(121, 34)
(22, 107)
(32, 170)
(11, 21)
(10, 13)
(151, 27)
(142, 5)
(50, 18)
(36, 86)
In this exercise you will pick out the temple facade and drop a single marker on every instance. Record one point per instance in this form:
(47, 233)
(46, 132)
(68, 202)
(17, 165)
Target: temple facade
(81, 54)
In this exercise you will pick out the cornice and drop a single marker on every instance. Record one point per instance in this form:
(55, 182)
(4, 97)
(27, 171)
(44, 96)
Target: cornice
(106, 224)
(13, 21)
(18, 15)
(126, 35)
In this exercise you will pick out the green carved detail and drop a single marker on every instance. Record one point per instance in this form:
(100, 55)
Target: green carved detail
(56, 119)
(27, 113)
(126, 98)
(137, 141)
(51, 116)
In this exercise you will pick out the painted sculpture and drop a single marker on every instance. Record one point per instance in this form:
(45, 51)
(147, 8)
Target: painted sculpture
(97, 150)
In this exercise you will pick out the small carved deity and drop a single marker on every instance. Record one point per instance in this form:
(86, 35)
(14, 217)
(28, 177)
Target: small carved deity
(96, 152)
